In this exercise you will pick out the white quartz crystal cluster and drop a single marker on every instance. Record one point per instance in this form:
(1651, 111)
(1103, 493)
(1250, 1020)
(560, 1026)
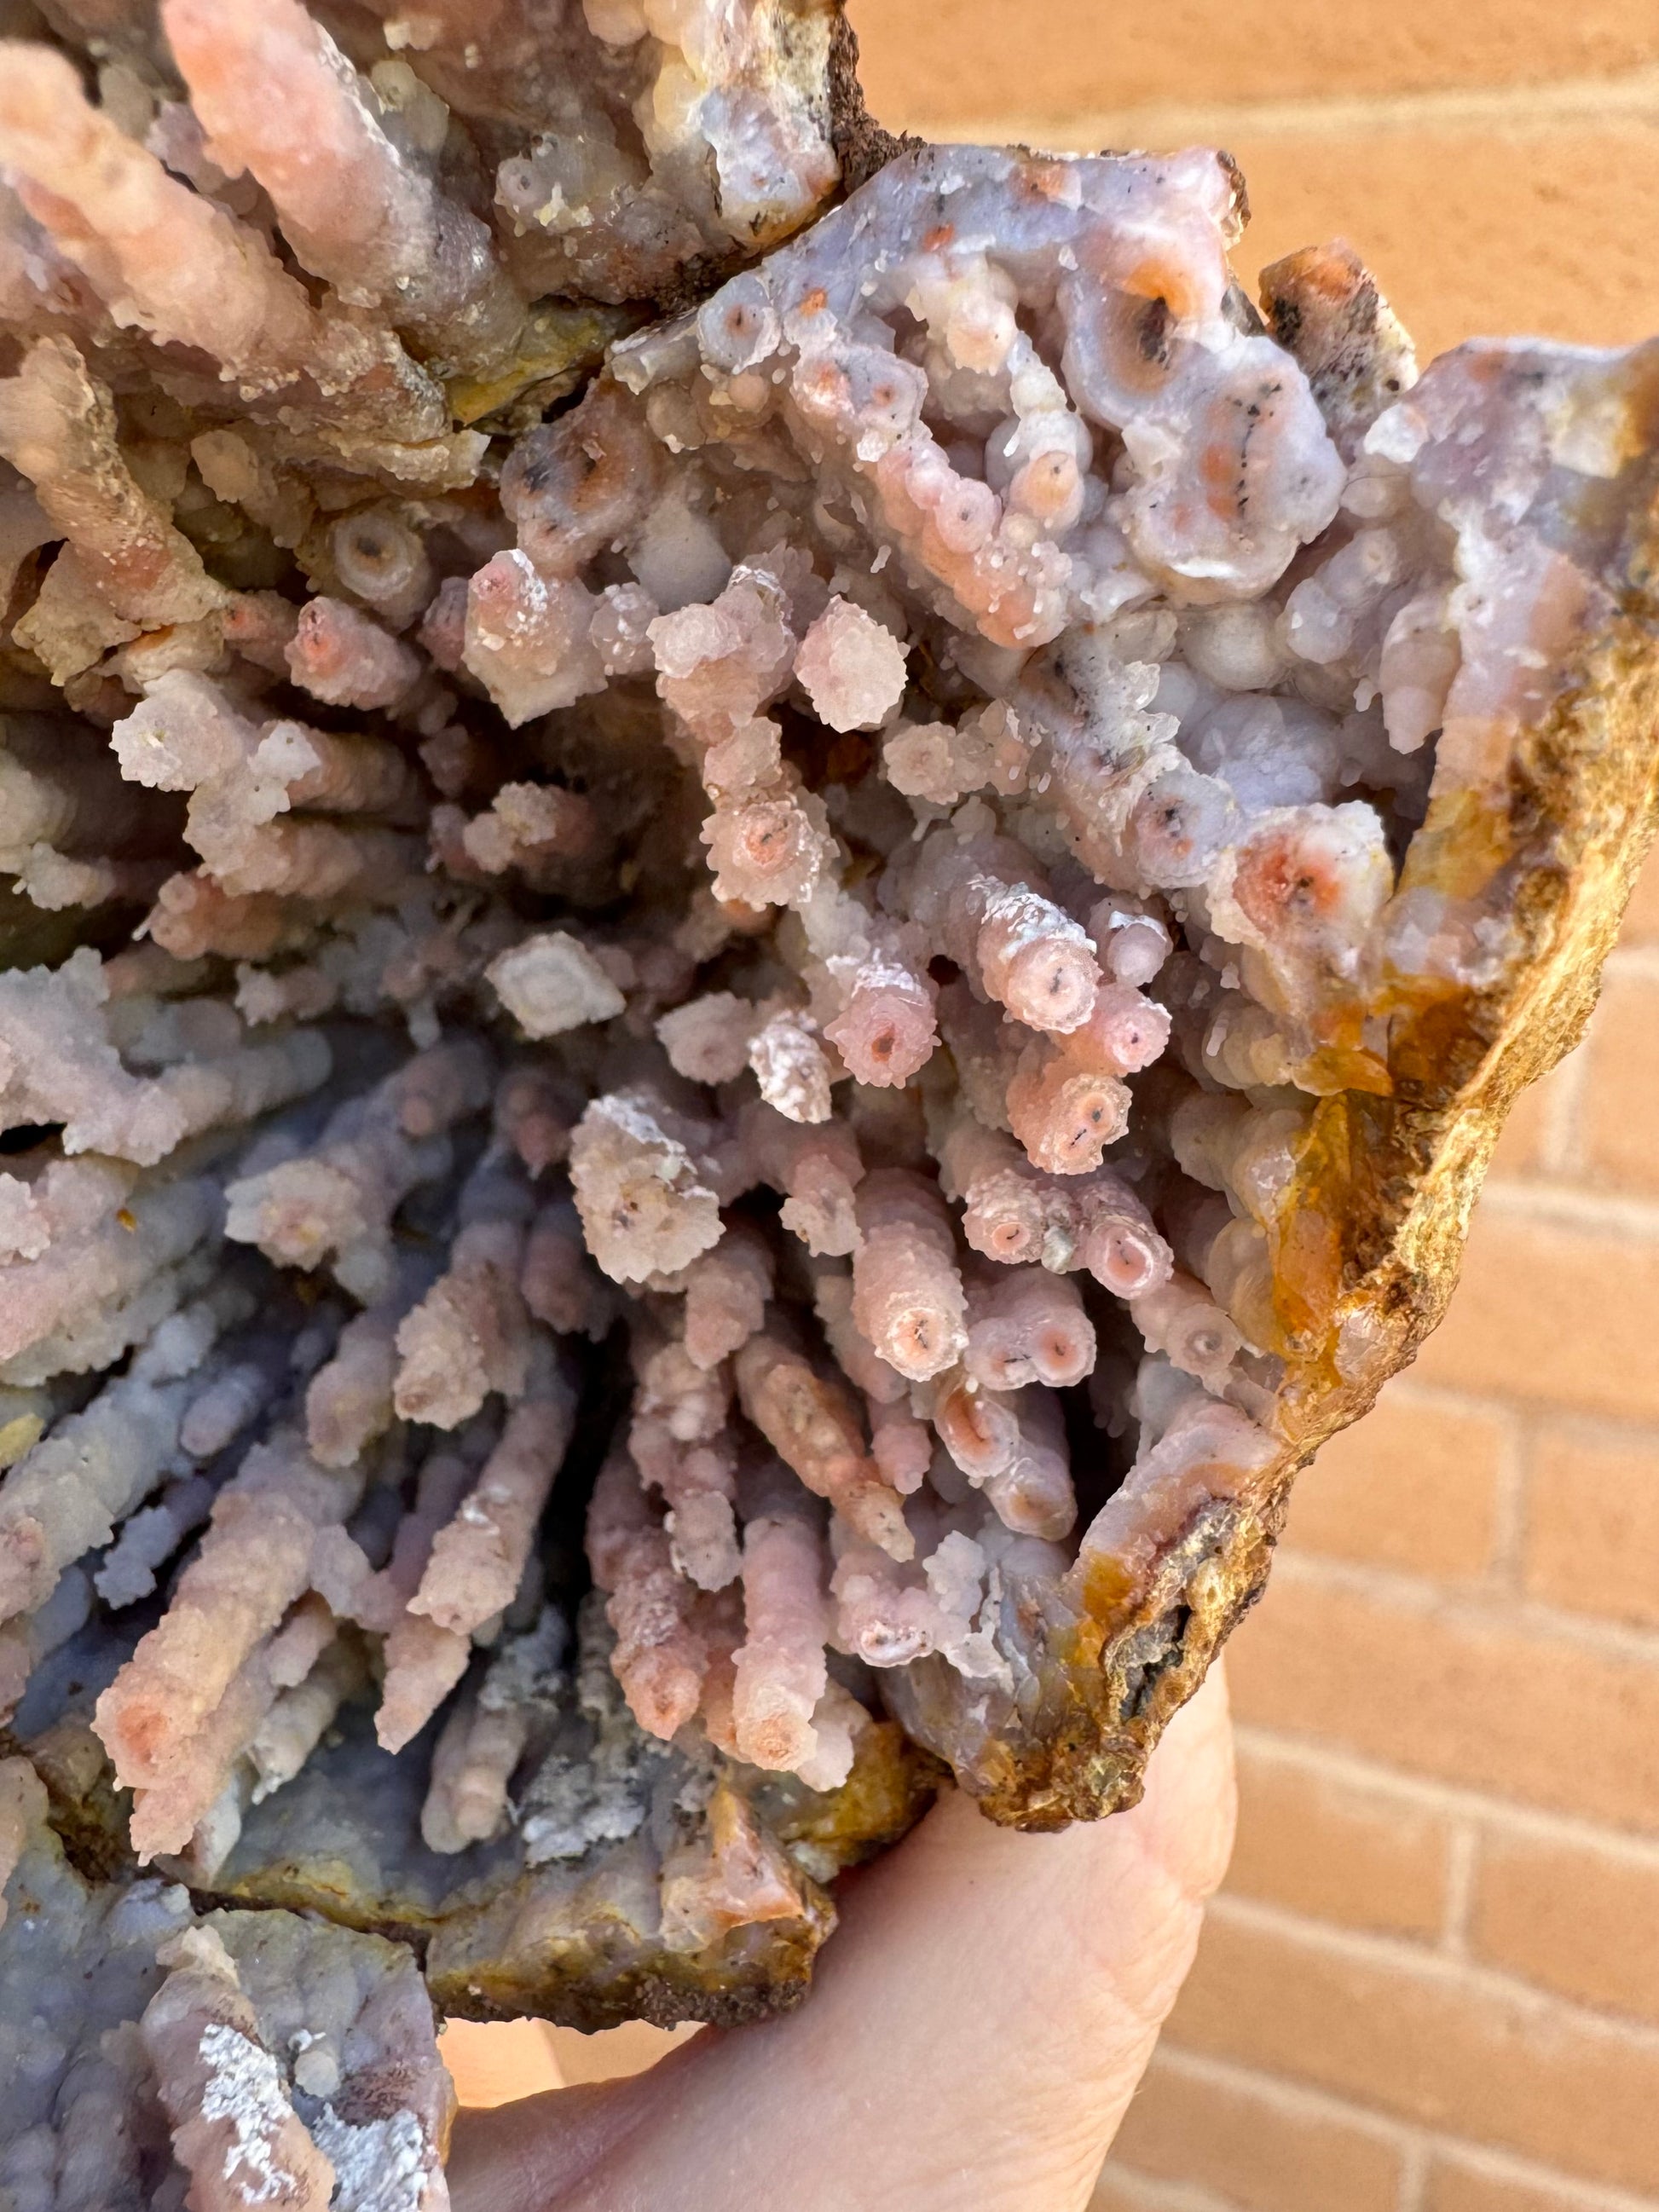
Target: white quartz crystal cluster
(749, 962)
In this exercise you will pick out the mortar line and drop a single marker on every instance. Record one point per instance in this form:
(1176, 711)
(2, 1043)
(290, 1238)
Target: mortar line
(1570, 1207)
(1511, 2168)
(1156, 2194)
(1569, 103)
(1416, 2156)
(1462, 1852)
(1511, 1504)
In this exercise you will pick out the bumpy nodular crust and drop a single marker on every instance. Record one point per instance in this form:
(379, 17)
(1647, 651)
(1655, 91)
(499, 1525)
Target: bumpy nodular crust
(705, 1091)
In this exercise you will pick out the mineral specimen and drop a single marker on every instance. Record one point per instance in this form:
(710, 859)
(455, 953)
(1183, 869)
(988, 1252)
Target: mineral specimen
(712, 1061)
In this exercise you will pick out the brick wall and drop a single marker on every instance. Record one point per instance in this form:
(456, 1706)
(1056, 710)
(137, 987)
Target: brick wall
(1432, 1982)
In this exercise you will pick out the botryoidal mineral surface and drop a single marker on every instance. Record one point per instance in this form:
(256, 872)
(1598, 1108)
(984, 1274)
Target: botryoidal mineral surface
(771, 896)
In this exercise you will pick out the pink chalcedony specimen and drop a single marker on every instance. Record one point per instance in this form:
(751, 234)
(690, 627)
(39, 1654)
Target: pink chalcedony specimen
(683, 950)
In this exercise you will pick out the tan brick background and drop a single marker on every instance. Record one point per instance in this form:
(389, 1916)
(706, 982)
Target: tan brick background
(1431, 1983)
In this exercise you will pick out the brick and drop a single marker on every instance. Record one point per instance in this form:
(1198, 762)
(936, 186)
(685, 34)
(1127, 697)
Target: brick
(1461, 1691)
(1592, 1532)
(1413, 1484)
(1579, 1919)
(930, 63)
(1251, 2147)
(1617, 1116)
(1428, 2042)
(1554, 1310)
(494, 2061)
(1455, 2184)
(1317, 1843)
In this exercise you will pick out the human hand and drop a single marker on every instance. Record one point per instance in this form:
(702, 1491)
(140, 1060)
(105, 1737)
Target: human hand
(975, 2031)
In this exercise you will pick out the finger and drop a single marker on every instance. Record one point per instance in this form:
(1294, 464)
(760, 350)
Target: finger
(977, 2027)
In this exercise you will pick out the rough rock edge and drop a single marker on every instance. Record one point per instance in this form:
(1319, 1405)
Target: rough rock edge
(861, 144)
(861, 147)
(500, 1953)
(586, 1972)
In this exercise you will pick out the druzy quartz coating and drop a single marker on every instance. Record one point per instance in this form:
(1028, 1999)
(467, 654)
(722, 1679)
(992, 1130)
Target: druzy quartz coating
(772, 898)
